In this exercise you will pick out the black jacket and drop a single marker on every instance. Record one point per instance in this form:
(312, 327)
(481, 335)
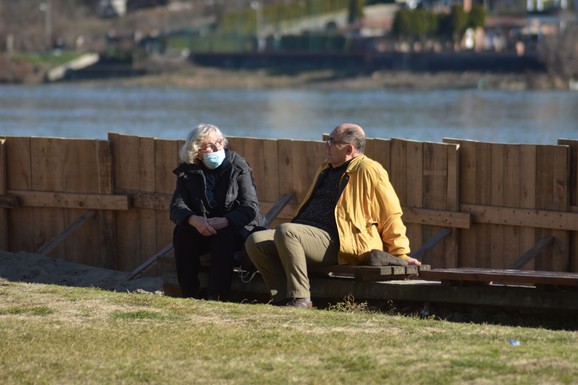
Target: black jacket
(235, 194)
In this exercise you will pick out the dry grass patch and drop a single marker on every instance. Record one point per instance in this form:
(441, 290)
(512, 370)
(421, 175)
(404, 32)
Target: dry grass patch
(67, 335)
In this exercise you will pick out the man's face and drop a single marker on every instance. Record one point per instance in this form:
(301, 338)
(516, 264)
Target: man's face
(337, 150)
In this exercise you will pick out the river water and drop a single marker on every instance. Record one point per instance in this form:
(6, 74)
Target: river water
(88, 111)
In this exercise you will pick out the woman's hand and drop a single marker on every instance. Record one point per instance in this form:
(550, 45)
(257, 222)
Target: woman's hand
(218, 223)
(202, 225)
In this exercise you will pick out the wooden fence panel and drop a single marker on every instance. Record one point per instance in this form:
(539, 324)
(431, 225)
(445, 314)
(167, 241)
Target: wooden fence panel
(475, 187)
(497, 199)
(414, 189)
(382, 153)
(421, 173)
(573, 187)
(511, 234)
(528, 237)
(166, 160)
(552, 178)
(80, 174)
(134, 171)
(466, 194)
(19, 177)
(47, 175)
(531, 184)
(108, 246)
(3, 188)
(436, 190)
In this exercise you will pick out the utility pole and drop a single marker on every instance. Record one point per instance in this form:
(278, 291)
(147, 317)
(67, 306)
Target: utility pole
(46, 7)
(258, 7)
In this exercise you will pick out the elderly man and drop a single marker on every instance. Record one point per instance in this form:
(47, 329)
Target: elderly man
(351, 212)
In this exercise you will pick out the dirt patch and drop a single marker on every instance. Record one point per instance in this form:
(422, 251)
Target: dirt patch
(35, 268)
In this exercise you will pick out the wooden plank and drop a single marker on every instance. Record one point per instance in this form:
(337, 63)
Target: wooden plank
(484, 196)
(277, 207)
(511, 234)
(166, 160)
(19, 176)
(79, 167)
(419, 254)
(315, 156)
(527, 180)
(544, 199)
(125, 155)
(398, 168)
(453, 204)
(382, 152)
(414, 191)
(369, 273)
(285, 169)
(149, 262)
(253, 154)
(497, 199)
(4, 228)
(533, 277)
(467, 191)
(437, 217)
(532, 253)
(47, 175)
(150, 200)
(71, 200)
(269, 188)
(560, 260)
(107, 246)
(435, 193)
(147, 218)
(370, 148)
(573, 193)
(74, 226)
(512, 216)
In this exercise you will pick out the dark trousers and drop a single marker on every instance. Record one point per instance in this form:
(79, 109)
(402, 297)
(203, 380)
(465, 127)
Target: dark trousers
(189, 245)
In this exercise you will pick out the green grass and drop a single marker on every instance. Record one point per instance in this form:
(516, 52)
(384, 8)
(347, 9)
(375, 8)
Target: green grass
(62, 335)
(46, 59)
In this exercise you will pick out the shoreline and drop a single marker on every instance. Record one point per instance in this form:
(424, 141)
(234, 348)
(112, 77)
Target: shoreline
(210, 77)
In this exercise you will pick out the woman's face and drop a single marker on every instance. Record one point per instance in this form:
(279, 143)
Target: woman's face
(212, 143)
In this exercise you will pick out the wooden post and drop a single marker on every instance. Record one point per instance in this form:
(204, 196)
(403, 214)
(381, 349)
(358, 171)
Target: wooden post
(3, 188)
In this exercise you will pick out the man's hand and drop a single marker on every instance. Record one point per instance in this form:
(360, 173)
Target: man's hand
(413, 261)
(202, 225)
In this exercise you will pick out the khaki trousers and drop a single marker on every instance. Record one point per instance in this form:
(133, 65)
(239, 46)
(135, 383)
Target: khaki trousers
(282, 256)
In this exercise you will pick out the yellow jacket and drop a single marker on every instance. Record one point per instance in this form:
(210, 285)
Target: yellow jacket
(368, 213)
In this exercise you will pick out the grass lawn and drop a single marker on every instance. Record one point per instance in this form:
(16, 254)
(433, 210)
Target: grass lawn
(64, 335)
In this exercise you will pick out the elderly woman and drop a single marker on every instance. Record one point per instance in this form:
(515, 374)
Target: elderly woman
(214, 207)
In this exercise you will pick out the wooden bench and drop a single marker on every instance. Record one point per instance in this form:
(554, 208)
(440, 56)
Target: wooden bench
(510, 276)
(469, 275)
(368, 273)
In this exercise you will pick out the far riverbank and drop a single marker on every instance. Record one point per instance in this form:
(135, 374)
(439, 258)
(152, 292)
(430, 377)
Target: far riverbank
(207, 77)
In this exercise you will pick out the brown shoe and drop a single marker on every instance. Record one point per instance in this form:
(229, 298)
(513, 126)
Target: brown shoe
(301, 303)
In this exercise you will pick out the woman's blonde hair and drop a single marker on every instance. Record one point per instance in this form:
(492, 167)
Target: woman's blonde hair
(189, 152)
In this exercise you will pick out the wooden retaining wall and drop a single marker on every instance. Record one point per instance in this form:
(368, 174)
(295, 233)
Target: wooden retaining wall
(105, 202)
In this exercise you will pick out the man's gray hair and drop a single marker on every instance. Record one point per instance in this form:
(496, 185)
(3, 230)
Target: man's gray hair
(354, 137)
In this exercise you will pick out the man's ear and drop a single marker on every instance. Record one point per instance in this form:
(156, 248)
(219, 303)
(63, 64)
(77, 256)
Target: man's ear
(350, 149)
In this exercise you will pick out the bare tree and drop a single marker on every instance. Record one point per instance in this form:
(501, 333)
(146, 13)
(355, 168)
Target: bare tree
(560, 53)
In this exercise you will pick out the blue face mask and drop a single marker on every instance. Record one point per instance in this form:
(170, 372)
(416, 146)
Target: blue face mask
(214, 159)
